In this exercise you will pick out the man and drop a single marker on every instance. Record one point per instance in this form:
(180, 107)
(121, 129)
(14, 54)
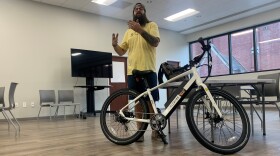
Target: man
(140, 40)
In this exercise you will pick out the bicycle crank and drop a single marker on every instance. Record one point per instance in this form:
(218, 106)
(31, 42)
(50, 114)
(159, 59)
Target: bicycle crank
(158, 121)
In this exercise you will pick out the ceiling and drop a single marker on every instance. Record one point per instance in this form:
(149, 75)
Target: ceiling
(212, 12)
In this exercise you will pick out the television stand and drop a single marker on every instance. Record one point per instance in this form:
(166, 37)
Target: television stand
(90, 96)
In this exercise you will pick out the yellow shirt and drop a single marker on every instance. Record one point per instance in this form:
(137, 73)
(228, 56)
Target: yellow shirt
(141, 54)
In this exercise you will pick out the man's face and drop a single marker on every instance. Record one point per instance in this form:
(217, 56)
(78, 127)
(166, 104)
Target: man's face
(139, 11)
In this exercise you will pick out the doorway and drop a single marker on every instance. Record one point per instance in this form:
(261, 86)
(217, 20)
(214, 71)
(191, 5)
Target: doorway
(119, 80)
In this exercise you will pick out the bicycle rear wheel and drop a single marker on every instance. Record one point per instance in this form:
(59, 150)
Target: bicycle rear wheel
(115, 127)
(225, 135)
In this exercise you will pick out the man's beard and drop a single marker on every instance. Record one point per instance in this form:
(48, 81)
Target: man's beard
(141, 19)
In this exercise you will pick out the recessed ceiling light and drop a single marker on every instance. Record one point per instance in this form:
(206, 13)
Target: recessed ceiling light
(104, 2)
(181, 15)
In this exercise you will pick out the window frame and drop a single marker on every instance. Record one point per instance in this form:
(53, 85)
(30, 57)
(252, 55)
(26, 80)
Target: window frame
(229, 35)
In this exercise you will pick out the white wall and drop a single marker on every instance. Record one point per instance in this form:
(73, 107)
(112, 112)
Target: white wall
(35, 49)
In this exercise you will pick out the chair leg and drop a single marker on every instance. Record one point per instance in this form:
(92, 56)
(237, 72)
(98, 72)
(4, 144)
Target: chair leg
(56, 111)
(64, 113)
(79, 113)
(278, 109)
(39, 113)
(15, 120)
(6, 119)
(50, 112)
(9, 120)
(74, 112)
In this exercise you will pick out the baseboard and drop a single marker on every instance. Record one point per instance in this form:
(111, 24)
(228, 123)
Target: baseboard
(43, 117)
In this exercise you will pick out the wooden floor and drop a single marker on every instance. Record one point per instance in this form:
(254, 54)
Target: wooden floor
(78, 137)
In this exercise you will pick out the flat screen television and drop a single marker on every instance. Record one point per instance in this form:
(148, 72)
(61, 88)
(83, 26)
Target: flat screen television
(91, 64)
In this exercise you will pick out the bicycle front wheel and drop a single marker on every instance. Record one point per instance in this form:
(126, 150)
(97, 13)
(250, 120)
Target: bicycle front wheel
(225, 135)
(115, 127)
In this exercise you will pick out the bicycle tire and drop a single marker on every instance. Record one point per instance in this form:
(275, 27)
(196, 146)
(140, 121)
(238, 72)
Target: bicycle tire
(116, 128)
(212, 133)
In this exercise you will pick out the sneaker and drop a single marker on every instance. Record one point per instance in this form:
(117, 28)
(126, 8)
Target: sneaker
(141, 139)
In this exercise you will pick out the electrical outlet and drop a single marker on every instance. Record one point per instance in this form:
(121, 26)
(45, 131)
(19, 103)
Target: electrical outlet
(32, 104)
(24, 104)
(16, 104)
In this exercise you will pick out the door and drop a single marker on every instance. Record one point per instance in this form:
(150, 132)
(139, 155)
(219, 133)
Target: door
(119, 81)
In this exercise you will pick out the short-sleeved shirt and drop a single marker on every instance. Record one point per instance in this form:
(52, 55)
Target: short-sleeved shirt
(141, 55)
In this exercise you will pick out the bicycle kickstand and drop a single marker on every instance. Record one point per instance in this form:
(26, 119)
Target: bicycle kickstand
(162, 136)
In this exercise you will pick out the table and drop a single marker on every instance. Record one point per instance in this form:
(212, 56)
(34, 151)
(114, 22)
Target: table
(238, 82)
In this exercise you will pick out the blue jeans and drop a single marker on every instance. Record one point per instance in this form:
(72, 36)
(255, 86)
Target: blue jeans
(139, 86)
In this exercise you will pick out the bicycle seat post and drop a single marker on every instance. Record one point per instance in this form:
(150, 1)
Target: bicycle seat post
(145, 82)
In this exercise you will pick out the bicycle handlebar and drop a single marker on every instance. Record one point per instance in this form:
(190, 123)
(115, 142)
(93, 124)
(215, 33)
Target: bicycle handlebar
(192, 63)
(196, 59)
(205, 49)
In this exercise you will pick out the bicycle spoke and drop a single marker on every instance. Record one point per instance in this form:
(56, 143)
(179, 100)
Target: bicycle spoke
(116, 127)
(216, 133)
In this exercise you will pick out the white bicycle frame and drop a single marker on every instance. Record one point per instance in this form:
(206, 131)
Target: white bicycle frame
(195, 79)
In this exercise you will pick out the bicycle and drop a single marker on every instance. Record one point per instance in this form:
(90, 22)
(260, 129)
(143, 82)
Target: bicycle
(214, 116)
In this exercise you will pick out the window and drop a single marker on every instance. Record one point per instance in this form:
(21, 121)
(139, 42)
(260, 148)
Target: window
(242, 51)
(268, 42)
(248, 50)
(220, 55)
